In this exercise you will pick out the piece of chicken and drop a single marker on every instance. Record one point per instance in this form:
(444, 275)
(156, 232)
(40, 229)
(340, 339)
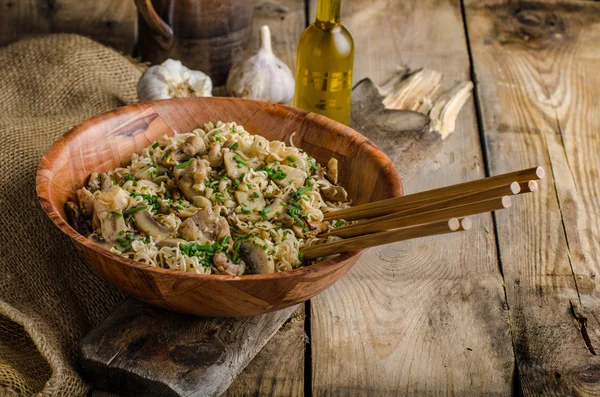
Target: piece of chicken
(108, 212)
(204, 226)
(256, 258)
(189, 177)
(85, 199)
(215, 155)
(334, 193)
(332, 170)
(194, 145)
(226, 266)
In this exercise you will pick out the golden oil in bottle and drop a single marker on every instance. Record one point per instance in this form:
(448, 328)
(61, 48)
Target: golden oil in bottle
(324, 65)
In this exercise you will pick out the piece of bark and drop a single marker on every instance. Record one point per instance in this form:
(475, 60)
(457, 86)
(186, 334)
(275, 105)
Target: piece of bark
(413, 141)
(445, 110)
(421, 91)
(416, 91)
(142, 350)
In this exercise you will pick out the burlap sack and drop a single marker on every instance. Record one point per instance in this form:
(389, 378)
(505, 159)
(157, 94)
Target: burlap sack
(49, 297)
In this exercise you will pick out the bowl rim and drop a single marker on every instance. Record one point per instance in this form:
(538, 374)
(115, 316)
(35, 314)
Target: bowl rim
(43, 191)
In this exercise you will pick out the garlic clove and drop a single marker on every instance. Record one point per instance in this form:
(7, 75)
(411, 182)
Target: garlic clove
(262, 76)
(172, 79)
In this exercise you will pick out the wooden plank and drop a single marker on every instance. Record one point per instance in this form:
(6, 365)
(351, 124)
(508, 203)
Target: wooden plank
(537, 68)
(425, 316)
(142, 350)
(112, 22)
(278, 370)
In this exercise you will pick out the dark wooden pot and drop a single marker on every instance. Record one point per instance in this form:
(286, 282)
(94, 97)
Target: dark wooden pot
(205, 35)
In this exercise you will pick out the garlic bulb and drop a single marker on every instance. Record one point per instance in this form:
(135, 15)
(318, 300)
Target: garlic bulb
(172, 80)
(262, 76)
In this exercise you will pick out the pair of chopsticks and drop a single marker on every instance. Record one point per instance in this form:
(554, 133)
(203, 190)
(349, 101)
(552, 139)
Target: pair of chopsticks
(433, 212)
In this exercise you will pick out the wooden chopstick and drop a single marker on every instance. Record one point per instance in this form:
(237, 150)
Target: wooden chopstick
(383, 207)
(437, 204)
(371, 240)
(399, 220)
(528, 187)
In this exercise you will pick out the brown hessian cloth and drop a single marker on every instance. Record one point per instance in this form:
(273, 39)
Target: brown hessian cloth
(49, 297)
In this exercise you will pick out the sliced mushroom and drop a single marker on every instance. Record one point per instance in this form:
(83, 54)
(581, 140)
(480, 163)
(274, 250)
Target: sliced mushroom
(76, 219)
(256, 258)
(194, 145)
(149, 225)
(226, 266)
(334, 193)
(85, 198)
(170, 242)
(253, 200)
(94, 238)
(276, 208)
(234, 169)
(94, 182)
(316, 227)
(179, 155)
(145, 173)
(189, 177)
(285, 220)
(223, 228)
(215, 156)
(332, 170)
(294, 176)
(105, 182)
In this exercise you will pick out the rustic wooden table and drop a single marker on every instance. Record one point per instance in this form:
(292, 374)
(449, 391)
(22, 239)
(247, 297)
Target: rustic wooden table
(510, 307)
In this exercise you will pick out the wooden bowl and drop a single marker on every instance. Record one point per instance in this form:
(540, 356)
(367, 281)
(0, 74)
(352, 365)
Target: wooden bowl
(108, 140)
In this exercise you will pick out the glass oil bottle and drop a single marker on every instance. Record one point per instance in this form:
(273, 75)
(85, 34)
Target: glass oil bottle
(324, 65)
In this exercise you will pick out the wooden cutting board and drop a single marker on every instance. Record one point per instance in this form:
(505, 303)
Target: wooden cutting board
(142, 350)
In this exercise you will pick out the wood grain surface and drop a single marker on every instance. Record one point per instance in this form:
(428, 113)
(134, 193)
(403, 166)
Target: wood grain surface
(428, 316)
(112, 22)
(141, 350)
(278, 370)
(537, 69)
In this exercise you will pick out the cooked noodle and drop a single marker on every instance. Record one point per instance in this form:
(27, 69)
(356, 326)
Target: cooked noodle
(217, 200)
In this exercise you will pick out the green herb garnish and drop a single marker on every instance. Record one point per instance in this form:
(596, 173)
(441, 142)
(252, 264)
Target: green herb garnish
(135, 209)
(183, 165)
